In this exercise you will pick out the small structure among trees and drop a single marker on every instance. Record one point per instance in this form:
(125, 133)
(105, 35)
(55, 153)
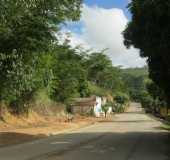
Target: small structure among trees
(88, 106)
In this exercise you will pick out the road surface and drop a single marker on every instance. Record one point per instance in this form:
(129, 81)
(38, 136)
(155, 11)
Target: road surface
(130, 136)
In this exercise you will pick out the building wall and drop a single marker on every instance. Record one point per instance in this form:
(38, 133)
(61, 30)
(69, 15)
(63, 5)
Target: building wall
(82, 109)
(98, 107)
(87, 105)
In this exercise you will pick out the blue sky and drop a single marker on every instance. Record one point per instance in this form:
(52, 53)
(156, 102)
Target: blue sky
(107, 4)
(122, 4)
(101, 26)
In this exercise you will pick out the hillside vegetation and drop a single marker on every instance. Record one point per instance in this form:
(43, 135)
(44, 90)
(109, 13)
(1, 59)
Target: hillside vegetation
(151, 36)
(37, 70)
(143, 71)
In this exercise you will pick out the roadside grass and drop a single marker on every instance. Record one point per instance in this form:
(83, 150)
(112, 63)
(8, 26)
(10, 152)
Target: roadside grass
(166, 126)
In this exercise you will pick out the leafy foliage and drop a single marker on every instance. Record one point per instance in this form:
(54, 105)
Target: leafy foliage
(70, 78)
(136, 72)
(121, 98)
(105, 108)
(26, 36)
(33, 62)
(102, 73)
(135, 86)
(151, 36)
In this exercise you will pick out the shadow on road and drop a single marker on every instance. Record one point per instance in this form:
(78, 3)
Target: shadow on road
(130, 136)
(12, 138)
(101, 145)
(128, 145)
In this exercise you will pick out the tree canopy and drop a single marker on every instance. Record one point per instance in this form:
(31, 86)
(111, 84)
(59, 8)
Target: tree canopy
(27, 35)
(149, 31)
(32, 60)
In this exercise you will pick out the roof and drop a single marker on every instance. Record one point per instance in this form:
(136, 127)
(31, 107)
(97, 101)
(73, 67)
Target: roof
(90, 101)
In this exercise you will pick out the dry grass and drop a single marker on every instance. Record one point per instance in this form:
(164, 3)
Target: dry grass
(16, 130)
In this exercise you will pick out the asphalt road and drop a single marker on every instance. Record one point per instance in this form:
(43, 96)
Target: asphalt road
(130, 136)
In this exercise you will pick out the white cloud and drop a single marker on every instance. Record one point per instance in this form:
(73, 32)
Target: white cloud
(102, 28)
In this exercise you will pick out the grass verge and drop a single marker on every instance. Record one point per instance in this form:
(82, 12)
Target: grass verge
(166, 126)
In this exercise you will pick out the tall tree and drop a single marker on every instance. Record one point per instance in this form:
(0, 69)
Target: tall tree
(27, 30)
(149, 31)
(102, 73)
(97, 63)
(70, 76)
(31, 24)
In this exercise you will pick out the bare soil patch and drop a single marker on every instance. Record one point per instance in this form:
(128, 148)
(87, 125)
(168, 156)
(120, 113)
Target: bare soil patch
(21, 130)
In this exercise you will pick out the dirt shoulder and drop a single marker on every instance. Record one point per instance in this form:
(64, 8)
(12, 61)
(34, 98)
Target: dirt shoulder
(12, 134)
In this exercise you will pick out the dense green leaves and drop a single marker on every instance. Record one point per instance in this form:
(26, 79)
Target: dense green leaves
(29, 25)
(149, 31)
(102, 73)
(32, 60)
(70, 77)
(27, 34)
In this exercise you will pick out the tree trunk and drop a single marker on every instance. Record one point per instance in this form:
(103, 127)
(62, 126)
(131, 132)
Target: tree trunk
(105, 114)
(2, 111)
(167, 110)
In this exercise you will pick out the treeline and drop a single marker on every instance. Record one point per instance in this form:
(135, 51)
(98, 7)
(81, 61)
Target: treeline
(27, 47)
(136, 80)
(33, 60)
(143, 90)
(151, 36)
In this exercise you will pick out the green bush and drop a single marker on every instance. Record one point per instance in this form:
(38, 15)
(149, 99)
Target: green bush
(96, 90)
(119, 108)
(147, 102)
(121, 101)
(121, 98)
(105, 108)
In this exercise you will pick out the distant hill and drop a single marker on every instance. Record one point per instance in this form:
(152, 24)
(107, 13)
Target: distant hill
(136, 71)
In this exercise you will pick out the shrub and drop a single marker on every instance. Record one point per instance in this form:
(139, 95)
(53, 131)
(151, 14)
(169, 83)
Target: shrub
(147, 102)
(105, 108)
(119, 108)
(121, 98)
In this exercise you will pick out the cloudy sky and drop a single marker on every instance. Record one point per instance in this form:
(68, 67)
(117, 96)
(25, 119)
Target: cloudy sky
(100, 27)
